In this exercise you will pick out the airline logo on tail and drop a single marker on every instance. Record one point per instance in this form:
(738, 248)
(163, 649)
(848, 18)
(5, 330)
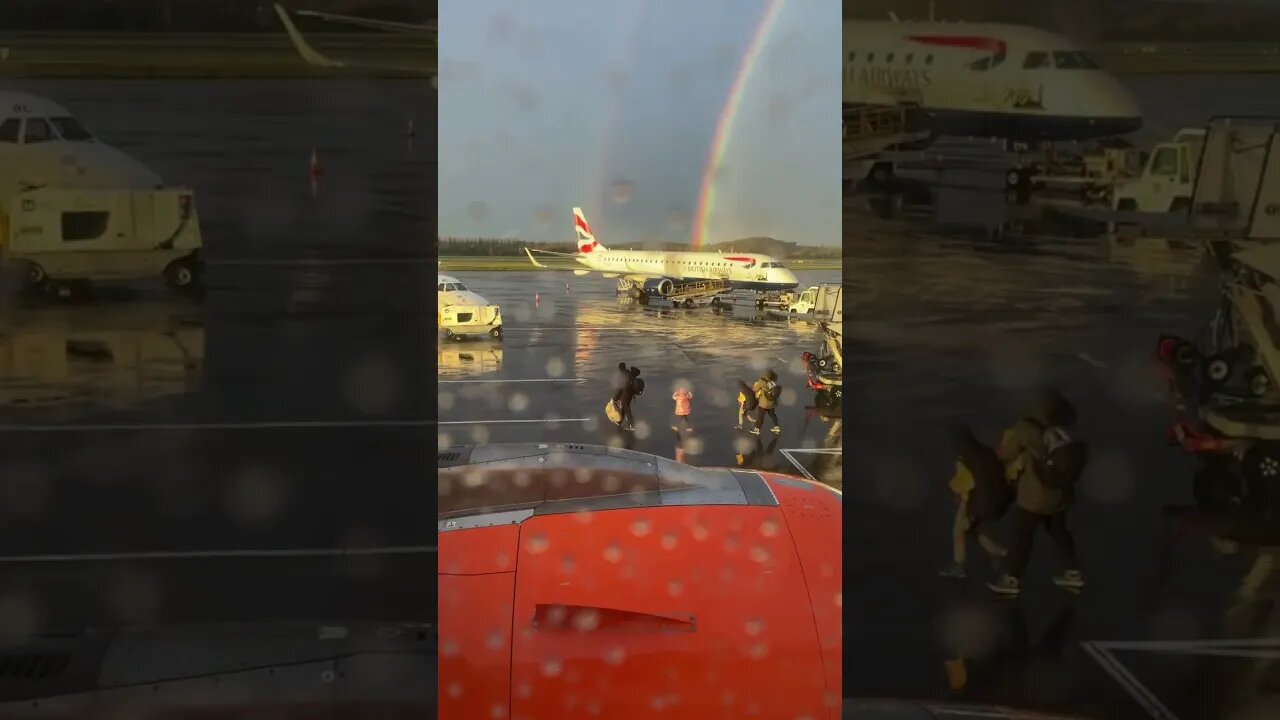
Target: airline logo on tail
(586, 241)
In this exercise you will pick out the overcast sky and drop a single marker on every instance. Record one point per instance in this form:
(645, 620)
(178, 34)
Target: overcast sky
(613, 106)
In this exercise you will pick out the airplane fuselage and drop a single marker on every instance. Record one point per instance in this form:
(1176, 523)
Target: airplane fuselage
(984, 80)
(746, 271)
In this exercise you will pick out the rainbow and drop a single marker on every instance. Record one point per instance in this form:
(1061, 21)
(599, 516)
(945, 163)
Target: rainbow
(724, 125)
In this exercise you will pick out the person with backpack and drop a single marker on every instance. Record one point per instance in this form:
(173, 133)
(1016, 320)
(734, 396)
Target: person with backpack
(983, 495)
(623, 397)
(1048, 461)
(767, 391)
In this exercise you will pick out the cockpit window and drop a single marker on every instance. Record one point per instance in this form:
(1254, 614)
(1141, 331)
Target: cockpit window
(37, 131)
(9, 130)
(70, 130)
(1073, 60)
(451, 287)
(1037, 60)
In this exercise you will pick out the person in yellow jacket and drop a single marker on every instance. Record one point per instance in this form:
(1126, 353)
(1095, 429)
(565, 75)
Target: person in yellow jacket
(767, 391)
(983, 494)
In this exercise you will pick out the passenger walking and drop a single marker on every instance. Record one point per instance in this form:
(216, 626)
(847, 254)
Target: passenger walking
(746, 403)
(1048, 461)
(624, 396)
(767, 391)
(683, 397)
(983, 496)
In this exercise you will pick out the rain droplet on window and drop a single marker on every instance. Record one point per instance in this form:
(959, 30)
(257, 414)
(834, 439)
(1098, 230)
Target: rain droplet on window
(615, 656)
(538, 544)
(455, 690)
(675, 588)
(759, 554)
(768, 528)
(640, 528)
(754, 627)
(613, 553)
(668, 541)
(551, 668)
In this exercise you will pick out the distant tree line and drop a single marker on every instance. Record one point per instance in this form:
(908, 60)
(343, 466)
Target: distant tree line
(128, 16)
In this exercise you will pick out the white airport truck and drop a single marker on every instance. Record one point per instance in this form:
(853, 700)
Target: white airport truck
(62, 236)
(464, 313)
(1168, 178)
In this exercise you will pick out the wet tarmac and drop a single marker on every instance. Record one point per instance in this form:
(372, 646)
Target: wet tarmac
(168, 459)
(959, 317)
(549, 378)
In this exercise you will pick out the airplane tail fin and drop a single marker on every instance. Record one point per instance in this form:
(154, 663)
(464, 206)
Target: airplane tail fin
(586, 241)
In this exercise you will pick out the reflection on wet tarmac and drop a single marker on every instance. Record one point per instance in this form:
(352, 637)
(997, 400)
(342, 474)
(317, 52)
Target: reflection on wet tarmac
(549, 378)
(57, 359)
(956, 323)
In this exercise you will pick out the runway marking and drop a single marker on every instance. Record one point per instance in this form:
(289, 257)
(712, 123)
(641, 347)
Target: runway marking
(220, 554)
(502, 422)
(515, 380)
(285, 425)
(812, 451)
(271, 425)
(1096, 363)
(234, 262)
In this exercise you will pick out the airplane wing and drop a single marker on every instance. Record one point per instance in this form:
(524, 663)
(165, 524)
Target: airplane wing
(384, 25)
(311, 56)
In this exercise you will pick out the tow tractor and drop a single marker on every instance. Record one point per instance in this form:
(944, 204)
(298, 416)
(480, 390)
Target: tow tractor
(824, 370)
(1226, 410)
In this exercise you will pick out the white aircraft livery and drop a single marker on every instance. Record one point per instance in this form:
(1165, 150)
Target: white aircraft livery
(984, 80)
(42, 144)
(660, 270)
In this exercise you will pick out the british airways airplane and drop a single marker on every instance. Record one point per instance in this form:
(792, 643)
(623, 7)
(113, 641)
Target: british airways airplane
(661, 270)
(984, 80)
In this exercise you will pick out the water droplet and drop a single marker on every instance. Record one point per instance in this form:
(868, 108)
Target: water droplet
(449, 648)
(551, 668)
(657, 703)
(586, 620)
(754, 627)
(519, 402)
(668, 541)
(497, 711)
(730, 544)
(640, 528)
(728, 699)
(759, 650)
(759, 554)
(538, 544)
(699, 532)
(615, 656)
(494, 641)
(503, 559)
(524, 690)
(593, 707)
(566, 565)
(455, 690)
(675, 588)
(613, 553)
(768, 528)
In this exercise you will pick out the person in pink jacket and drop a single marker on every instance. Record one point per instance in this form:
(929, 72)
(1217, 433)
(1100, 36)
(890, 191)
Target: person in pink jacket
(682, 396)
